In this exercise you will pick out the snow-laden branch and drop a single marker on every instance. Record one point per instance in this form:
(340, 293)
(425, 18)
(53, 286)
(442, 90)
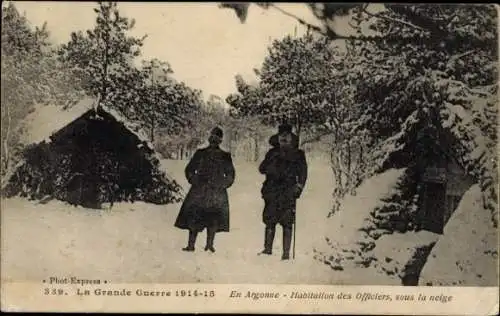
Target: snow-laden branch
(317, 137)
(455, 57)
(457, 84)
(381, 16)
(393, 144)
(329, 33)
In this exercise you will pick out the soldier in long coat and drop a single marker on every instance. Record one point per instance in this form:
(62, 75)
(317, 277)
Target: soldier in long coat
(285, 168)
(210, 173)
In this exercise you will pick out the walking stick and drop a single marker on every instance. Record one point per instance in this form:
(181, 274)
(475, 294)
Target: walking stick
(294, 229)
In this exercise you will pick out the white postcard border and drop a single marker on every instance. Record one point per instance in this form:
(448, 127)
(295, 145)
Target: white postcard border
(223, 298)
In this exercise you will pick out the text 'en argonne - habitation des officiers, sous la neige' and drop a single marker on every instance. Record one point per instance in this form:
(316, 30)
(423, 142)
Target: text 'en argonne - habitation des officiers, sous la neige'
(358, 296)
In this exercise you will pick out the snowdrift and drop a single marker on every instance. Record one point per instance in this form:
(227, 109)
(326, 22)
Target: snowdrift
(349, 246)
(401, 256)
(467, 253)
(346, 242)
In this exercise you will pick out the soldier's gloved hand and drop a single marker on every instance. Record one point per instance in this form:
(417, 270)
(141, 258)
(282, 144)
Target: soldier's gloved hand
(297, 190)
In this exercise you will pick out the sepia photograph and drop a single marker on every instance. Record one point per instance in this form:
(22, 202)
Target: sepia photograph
(256, 157)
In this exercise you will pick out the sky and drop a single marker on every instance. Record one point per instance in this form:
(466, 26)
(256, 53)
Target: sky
(205, 45)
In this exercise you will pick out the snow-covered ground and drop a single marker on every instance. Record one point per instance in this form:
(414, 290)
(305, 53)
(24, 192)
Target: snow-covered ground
(138, 243)
(397, 252)
(343, 250)
(350, 247)
(467, 254)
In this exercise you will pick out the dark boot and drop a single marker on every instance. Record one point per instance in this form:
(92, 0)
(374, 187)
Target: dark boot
(287, 241)
(191, 241)
(210, 239)
(268, 240)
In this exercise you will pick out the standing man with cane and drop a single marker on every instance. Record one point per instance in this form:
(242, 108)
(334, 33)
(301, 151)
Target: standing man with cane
(285, 168)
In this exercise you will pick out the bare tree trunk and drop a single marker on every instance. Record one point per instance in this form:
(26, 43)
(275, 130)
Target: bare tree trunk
(336, 194)
(360, 165)
(153, 82)
(298, 127)
(348, 173)
(6, 148)
(256, 148)
(232, 140)
(104, 74)
(152, 130)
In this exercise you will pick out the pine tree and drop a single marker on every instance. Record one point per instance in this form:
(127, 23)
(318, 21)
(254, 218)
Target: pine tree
(31, 75)
(420, 86)
(103, 57)
(294, 85)
(444, 89)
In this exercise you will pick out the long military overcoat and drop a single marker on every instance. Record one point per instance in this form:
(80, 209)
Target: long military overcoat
(286, 175)
(210, 173)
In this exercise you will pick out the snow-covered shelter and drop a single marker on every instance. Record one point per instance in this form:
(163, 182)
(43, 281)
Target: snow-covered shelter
(98, 157)
(443, 188)
(444, 182)
(435, 183)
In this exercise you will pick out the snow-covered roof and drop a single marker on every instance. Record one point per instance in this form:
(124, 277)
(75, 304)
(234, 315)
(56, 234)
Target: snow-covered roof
(132, 127)
(46, 120)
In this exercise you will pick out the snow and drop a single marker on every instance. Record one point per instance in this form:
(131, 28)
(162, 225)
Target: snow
(132, 127)
(41, 124)
(395, 251)
(138, 242)
(342, 249)
(467, 253)
(394, 143)
(475, 125)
